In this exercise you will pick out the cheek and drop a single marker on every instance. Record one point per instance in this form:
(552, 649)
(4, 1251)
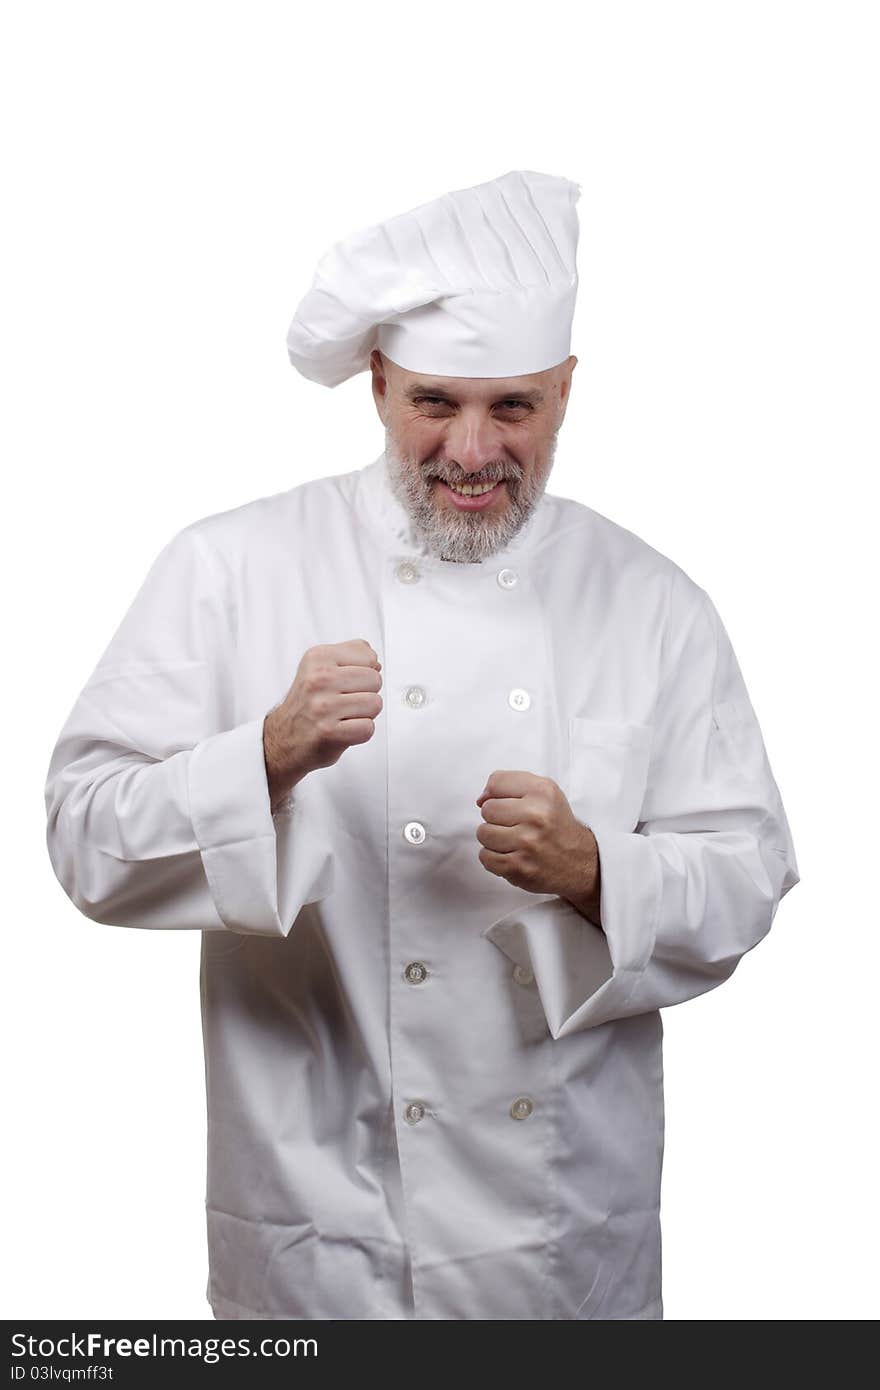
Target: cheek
(540, 436)
(535, 446)
(527, 446)
(420, 439)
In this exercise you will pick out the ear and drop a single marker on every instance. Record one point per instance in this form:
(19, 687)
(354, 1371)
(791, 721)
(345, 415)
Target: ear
(565, 387)
(379, 383)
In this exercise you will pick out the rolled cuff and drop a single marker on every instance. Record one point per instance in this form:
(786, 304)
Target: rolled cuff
(256, 888)
(585, 974)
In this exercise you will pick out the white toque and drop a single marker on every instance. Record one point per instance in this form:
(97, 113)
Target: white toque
(480, 282)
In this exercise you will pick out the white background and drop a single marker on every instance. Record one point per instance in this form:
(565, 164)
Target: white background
(171, 173)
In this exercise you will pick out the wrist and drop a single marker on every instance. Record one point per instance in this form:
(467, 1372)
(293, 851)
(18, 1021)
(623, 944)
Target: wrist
(281, 775)
(587, 894)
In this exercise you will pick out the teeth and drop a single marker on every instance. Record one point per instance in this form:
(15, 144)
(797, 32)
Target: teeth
(467, 490)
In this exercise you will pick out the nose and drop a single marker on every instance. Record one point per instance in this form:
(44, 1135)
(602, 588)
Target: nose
(472, 440)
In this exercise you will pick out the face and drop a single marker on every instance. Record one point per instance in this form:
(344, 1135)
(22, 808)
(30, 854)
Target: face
(449, 438)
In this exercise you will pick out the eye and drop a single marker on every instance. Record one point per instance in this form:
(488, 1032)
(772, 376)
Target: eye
(501, 405)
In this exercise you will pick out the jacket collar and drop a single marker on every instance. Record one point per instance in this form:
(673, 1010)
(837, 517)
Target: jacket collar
(376, 500)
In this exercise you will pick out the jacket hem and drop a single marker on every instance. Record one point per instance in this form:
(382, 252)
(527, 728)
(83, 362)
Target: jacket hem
(227, 1308)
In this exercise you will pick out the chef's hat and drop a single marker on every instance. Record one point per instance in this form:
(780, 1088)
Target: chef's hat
(480, 282)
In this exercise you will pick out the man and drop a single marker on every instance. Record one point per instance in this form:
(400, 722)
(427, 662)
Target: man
(460, 786)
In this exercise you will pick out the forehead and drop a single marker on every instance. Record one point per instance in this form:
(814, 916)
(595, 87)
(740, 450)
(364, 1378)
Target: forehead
(472, 388)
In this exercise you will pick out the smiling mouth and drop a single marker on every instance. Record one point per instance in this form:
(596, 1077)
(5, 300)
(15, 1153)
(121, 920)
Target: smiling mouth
(477, 497)
(470, 488)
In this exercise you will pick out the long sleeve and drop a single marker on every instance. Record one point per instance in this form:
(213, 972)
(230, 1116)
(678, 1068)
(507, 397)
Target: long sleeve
(157, 802)
(696, 885)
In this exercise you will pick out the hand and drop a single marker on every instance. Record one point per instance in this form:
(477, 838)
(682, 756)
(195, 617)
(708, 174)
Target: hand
(530, 837)
(332, 703)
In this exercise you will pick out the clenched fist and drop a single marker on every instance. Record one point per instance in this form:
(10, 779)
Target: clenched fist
(332, 704)
(531, 837)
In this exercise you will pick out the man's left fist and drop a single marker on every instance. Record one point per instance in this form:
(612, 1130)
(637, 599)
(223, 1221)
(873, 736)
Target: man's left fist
(530, 837)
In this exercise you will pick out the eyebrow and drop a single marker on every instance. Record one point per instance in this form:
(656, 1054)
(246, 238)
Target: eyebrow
(534, 396)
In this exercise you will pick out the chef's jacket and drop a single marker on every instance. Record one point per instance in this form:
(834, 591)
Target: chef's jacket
(430, 1094)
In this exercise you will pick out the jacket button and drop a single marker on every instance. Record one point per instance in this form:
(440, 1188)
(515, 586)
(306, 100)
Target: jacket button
(519, 699)
(415, 696)
(522, 1107)
(407, 572)
(414, 1112)
(414, 832)
(507, 578)
(522, 974)
(415, 972)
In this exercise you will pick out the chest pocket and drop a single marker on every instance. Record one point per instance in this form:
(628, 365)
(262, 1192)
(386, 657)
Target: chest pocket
(607, 771)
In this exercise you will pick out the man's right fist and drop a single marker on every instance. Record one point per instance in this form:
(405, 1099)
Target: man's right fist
(332, 704)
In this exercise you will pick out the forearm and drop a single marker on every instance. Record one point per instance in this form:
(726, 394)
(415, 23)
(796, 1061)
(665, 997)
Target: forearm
(585, 892)
(283, 755)
(681, 909)
(129, 836)
(279, 776)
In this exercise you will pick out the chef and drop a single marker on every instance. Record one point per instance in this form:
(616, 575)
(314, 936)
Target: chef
(461, 785)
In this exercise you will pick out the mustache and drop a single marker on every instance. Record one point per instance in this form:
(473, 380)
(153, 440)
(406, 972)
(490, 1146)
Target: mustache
(474, 479)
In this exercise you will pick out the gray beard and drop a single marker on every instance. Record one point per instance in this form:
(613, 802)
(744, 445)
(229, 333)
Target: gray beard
(465, 537)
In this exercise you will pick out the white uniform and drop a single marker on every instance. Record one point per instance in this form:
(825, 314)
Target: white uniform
(430, 1094)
